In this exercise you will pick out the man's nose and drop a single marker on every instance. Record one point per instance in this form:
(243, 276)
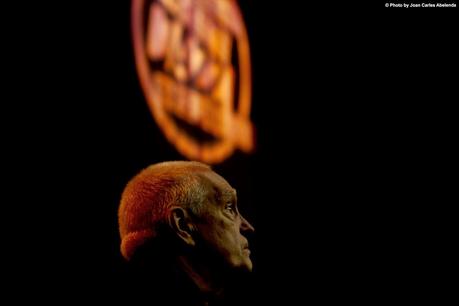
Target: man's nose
(246, 226)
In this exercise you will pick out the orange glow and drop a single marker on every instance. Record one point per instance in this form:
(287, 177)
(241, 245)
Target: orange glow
(193, 61)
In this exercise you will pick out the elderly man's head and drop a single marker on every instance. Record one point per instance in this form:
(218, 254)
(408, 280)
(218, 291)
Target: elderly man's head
(194, 204)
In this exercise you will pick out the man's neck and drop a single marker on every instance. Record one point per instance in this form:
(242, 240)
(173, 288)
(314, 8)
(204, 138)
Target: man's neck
(207, 282)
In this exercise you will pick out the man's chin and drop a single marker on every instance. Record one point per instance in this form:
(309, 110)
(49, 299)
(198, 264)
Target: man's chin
(242, 264)
(249, 267)
(246, 265)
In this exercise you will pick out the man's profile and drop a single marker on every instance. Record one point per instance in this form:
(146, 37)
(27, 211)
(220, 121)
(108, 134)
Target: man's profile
(181, 229)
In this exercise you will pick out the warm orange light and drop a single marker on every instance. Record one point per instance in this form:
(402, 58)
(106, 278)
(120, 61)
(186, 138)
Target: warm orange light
(193, 61)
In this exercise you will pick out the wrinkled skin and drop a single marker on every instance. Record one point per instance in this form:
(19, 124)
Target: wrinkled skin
(222, 227)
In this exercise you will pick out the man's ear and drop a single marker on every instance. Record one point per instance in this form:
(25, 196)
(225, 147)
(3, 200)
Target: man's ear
(181, 223)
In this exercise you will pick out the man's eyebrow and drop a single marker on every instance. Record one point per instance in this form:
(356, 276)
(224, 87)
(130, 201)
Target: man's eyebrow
(228, 194)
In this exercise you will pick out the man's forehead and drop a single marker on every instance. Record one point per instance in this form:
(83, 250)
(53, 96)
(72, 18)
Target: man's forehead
(219, 184)
(228, 193)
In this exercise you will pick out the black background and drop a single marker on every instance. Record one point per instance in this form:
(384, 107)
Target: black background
(352, 104)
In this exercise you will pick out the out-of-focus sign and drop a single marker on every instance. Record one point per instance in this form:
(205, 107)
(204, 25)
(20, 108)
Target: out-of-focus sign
(193, 61)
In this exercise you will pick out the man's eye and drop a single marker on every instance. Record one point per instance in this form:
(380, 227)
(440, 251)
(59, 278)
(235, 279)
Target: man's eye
(230, 208)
